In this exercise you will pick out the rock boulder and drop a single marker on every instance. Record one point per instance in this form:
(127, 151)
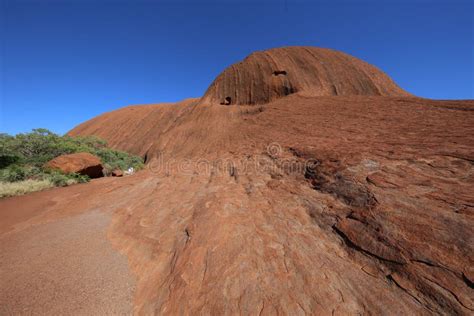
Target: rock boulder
(82, 163)
(117, 173)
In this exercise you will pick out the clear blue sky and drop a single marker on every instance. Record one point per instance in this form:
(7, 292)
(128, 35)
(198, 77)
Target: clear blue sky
(63, 62)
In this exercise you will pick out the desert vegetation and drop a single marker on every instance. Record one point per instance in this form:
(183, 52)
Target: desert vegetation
(23, 158)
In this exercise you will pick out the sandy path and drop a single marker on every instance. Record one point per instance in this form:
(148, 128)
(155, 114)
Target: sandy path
(65, 267)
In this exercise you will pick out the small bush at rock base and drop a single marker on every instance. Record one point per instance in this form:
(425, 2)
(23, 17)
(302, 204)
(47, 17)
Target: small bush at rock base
(23, 156)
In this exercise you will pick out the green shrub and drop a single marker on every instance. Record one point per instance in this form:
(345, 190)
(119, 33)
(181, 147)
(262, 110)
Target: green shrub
(18, 172)
(60, 179)
(13, 173)
(114, 159)
(8, 155)
(6, 160)
(23, 156)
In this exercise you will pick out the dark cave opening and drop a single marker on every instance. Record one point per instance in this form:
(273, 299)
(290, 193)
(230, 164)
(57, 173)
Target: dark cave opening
(279, 73)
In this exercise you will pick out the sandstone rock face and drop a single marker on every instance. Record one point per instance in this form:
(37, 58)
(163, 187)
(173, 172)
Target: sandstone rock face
(268, 75)
(136, 129)
(260, 78)
(361, 205)
(82, 163)
(320, 205)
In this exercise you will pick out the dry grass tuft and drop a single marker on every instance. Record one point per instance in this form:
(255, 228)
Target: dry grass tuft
(23, 187)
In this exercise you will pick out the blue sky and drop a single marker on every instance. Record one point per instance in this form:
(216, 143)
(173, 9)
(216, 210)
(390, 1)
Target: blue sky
(63, 62)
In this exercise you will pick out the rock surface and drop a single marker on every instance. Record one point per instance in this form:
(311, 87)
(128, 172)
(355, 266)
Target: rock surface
(265, 76)
(136, 129)
(117, 173)
(328, 205)
(82, 163)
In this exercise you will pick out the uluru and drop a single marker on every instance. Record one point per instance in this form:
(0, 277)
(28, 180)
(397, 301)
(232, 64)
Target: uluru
(303, 181)
(260, 209)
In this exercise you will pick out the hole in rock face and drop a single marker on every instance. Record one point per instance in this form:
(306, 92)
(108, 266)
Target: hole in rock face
(279, 73)
(227, 101)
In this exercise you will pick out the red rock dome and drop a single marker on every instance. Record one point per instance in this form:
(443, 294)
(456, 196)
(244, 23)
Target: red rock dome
(271, 74)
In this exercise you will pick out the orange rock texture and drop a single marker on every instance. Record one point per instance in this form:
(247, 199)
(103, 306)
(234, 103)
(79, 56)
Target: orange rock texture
(265, 76)
(345, 196)
(82, 163)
